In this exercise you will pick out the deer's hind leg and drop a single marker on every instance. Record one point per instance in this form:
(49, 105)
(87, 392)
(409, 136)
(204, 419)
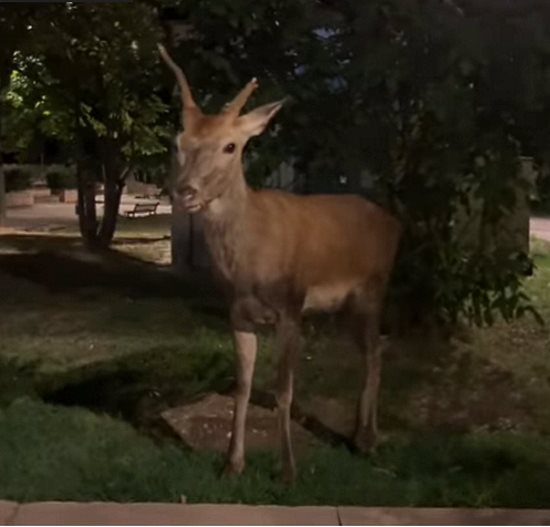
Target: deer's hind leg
(288, 337)
(367, 312)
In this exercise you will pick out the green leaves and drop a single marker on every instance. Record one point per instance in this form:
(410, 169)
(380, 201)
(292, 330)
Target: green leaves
(88, 70)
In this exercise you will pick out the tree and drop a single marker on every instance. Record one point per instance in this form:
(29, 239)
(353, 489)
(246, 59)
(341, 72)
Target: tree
(221, 45)
(95, 70)
(521, 80)
(401, 88)
(429, 124)
(225, 43)
(13, 25)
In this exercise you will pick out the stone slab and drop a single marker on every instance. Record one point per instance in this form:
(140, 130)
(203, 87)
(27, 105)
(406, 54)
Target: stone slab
(98, 513)
(440, 516)
(19, 198)
(206, 425)
(7, 511)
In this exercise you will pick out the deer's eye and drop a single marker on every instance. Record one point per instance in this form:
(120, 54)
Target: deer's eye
(229, 148)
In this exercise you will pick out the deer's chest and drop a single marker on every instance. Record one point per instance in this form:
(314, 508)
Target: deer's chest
(224, 247)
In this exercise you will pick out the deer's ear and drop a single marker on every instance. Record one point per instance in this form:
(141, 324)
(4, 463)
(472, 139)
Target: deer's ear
(254, 122)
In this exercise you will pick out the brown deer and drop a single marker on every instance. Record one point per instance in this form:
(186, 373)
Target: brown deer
(279, 255)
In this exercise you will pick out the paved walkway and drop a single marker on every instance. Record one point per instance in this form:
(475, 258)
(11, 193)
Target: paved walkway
(540, 228)
(44, 215)
(98, 513)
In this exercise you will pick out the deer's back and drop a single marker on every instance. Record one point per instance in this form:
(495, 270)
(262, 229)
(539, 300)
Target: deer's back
(325, 244)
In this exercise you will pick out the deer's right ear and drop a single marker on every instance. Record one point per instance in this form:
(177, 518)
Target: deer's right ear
(254, 122)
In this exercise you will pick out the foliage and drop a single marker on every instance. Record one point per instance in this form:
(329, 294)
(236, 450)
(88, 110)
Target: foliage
(94, 68)
(226, 43)
(87, 76)
(13, 33)
(541, 201)
(154, 169)
(417, 77)
(59, 179)
(403, 90)
(17, 179)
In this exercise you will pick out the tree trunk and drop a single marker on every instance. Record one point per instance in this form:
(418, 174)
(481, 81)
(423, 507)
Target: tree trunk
(87, 218)
(112, 194)
(3, 82)
(2, 194)
(180, 239)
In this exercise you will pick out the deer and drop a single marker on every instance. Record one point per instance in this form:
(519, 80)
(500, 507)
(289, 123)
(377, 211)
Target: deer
(280, 256)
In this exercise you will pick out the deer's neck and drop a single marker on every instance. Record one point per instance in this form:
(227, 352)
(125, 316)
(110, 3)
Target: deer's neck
(224, 225)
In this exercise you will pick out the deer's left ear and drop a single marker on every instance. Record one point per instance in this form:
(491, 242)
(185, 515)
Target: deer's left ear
(254, 122)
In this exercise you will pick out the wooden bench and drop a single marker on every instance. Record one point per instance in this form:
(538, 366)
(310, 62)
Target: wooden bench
(142, 209)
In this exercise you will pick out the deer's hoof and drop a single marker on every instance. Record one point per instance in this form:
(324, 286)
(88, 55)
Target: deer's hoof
(234, 468)
(365, 440)
(288, 475)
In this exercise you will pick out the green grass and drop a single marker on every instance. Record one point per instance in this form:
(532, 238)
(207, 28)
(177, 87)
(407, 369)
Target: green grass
(465, 422)
(78, 332)
(155, 226)
(144, 227)
(540, 251)
(522, 347)
(53, 453)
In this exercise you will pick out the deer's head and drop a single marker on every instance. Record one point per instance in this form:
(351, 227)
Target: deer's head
(210, 146)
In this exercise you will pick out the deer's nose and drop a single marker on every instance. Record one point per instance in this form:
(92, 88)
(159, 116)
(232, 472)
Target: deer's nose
(186, 192)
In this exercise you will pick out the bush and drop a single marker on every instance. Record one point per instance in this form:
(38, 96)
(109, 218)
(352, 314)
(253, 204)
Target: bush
(17, 179)
(61, 178)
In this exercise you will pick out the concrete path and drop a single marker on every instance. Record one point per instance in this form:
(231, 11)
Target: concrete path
(100, 513)
(62, 215)
(540, 228)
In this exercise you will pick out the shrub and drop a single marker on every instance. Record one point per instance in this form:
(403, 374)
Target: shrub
(17, 179)
(61, 178)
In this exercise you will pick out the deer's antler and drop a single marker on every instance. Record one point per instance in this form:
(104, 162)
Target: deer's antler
(186, 96)
(236, 105)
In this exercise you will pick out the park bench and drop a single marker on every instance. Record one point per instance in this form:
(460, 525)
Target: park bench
(145, 209)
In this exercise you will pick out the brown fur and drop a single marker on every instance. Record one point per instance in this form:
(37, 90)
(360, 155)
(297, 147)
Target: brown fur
(280, 255)
(301, 243)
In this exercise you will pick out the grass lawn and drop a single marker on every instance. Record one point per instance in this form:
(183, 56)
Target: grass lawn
(53, 453)
(466, 423)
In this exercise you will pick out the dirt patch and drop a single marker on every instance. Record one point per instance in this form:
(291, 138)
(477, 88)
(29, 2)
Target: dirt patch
(426, 386)
(490, 401)
(206, 425)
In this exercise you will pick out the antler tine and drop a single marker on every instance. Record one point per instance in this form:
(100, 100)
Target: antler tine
(236, 105)
(186, 96)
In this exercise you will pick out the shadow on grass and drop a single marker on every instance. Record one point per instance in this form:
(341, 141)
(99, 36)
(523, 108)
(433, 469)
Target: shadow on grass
(61, 263)
(137, 388)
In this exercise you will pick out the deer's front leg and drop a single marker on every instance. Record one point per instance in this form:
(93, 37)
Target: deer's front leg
(245, 347)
